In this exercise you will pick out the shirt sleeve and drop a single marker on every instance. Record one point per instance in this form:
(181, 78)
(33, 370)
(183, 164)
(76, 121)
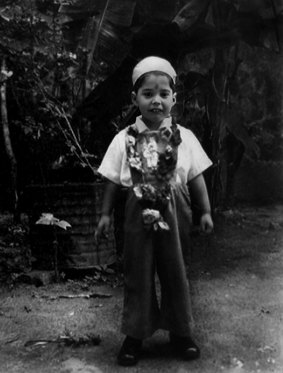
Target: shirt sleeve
(199, 159)
(111, 164)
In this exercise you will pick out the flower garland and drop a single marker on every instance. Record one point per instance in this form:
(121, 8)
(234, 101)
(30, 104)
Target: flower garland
(153, 198)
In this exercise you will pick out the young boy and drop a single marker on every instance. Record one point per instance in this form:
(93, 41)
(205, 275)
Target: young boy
(157, 160)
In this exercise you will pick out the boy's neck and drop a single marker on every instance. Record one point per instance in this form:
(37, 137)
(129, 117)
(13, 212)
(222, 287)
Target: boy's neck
(154, 126)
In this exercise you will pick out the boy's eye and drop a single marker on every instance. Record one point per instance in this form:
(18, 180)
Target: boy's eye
(164, 94)
(147, 94)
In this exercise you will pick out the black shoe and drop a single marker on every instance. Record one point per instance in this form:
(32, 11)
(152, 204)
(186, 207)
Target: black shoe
(186, 346)
(130, 352)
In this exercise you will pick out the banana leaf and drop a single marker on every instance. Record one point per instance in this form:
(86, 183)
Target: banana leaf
(234, 123)
(102, 21)
(155, 11)
(195, 26)
(223, 23)
(111, 29)
(190, 13)
(119, 13)
(262, 7)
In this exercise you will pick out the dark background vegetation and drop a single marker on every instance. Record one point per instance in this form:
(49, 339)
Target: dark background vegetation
(65, 83)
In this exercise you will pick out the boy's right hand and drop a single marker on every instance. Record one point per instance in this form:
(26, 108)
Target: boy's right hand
(206, 223)
(102, 228)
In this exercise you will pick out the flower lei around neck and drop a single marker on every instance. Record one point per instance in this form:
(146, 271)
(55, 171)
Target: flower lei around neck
(153, 198)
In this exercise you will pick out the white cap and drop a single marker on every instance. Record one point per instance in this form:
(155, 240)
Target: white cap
(152, 63)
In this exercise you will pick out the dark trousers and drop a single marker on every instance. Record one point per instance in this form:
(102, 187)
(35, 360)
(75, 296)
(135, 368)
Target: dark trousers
(148, 251)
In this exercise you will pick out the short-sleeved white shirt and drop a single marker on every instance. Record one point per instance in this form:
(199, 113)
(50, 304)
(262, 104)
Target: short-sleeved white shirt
(192, 159)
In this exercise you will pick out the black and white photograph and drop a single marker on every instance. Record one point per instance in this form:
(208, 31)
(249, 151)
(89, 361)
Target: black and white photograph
(141, 186)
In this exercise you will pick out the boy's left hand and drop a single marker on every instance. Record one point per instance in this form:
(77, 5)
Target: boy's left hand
(206, 223)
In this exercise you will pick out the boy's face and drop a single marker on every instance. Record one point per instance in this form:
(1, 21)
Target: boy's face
(155, 99)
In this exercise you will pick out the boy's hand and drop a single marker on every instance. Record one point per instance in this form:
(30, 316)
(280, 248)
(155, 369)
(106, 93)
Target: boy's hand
(102, 228)
(206, 223)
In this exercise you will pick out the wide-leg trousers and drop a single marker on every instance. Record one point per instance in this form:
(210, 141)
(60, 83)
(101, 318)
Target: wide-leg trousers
(148, 251)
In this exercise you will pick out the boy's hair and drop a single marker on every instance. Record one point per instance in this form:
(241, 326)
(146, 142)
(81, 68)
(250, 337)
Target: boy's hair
(142, 79)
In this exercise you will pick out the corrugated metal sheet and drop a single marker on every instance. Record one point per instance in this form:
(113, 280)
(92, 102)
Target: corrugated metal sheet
(80, 205)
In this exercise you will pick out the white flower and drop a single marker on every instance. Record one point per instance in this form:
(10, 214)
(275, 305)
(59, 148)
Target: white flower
(150, 216)
(154, 218)
(135, 162)
(138, 191)
(146, 152)
(131, 140)
(152, 145)
(169, 149)
(161, 225)
(72, 55)
(150, 153)
(131, 151)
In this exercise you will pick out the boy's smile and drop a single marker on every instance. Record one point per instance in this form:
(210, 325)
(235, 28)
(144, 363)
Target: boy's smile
(155, 100)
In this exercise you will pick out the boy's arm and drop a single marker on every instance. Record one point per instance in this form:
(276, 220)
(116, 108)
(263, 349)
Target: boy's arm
(199, 193)
(109, 196)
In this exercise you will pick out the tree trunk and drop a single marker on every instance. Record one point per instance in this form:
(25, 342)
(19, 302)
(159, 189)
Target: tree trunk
(7, 139)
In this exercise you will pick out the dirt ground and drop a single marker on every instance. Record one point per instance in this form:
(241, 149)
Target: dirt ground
(236, 280)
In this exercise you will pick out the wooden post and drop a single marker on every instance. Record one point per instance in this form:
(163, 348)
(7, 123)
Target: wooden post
(7, 137)
(55, 253)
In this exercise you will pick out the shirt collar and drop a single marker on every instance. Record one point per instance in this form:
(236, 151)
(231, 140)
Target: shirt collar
(142, 127)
